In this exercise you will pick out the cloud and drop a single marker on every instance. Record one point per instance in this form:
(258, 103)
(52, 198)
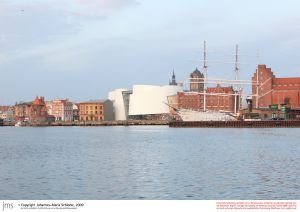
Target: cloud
(48, 28)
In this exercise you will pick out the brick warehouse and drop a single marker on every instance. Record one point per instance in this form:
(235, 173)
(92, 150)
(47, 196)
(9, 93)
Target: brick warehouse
(218, 98)
(195, 100)
(275, 91)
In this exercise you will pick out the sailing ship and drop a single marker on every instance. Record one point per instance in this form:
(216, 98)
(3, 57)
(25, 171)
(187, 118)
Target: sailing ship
(203, 114)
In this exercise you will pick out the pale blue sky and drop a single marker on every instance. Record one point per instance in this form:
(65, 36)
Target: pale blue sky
(81, 49)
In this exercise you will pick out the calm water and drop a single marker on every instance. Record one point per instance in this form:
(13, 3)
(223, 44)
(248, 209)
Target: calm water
(149, 163)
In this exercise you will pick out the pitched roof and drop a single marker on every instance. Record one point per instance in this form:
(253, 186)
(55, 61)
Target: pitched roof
(94, 101)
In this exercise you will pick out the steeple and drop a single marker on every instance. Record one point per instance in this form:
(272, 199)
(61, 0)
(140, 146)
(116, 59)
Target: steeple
(173, 82)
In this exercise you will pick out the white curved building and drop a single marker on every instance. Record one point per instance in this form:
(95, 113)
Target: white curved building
(116, 97)
(151, 99)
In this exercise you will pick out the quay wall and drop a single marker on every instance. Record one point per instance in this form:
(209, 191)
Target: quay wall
(236, 124)
(110, 123)
(176, 124)
(98, 123)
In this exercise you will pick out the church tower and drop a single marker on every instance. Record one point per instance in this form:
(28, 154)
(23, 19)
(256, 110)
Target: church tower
(196, 81)
(173, 82)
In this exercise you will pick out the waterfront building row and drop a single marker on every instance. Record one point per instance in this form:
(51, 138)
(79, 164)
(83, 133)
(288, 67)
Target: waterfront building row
(58, 110)
(272, 98)
(160, 102)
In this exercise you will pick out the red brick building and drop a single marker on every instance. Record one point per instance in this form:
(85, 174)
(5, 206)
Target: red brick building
(224, 102)
(190, 100)
(217, 98)
(274, 91)
(34, 111)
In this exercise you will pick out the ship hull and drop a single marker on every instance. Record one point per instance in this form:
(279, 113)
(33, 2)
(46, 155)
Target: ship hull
(190, 115)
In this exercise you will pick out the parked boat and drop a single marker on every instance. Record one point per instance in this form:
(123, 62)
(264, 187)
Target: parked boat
(18, 124)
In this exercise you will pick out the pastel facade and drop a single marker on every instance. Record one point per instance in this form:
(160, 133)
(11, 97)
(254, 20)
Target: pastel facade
(7, 113)
(96, 110)
(62, 110)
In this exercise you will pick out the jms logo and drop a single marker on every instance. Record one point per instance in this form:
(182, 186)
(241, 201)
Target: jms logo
(7, 206)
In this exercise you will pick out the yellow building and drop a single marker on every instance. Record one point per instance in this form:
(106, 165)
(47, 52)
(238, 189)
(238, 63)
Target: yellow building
(97, 110)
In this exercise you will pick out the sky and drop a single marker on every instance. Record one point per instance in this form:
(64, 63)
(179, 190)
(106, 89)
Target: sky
(82, 49)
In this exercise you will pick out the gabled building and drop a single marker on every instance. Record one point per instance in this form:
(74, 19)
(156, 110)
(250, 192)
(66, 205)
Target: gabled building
(3, 112)
(7, 113)
(35, 111)
(22, 111)
(61, 109)
(274, 91)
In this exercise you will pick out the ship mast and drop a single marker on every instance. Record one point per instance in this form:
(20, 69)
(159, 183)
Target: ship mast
(205, 76)
(237, 75)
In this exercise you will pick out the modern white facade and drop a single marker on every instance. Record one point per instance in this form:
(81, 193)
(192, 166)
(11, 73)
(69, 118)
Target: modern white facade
(116, 97)
(151, 99)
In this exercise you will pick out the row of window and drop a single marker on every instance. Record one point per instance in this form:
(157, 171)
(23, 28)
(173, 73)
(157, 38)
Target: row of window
(91, 118)
(91, 112)
(91, 107)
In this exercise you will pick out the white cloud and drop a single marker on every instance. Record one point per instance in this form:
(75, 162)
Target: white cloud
(51, 29)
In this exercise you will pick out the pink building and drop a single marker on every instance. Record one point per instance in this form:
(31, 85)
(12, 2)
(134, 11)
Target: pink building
(62, 110)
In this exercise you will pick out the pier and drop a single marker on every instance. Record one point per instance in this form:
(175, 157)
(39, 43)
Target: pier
(236, 124)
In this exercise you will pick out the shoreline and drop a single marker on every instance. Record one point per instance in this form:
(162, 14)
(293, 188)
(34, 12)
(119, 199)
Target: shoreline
(172, 124)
